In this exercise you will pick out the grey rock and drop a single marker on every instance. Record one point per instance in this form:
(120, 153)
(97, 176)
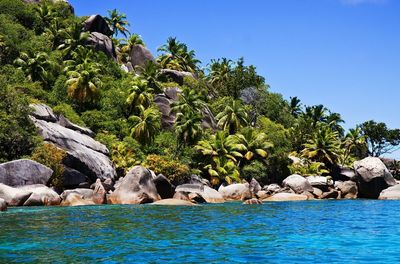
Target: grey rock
(195, 179)
(391, 193)
(320, 182)
(283, 197)
(332, 194)
(176, 76)
(86, 194)
(13, 196)
(137, 187)
(372, 177)
(3, 205)
(101, 42)
(41, 195)
(348, 189)
(254, 186)
(182, 196)
(74, 199)
(297, 183)
(272, 188)
(73, 178)
(99, 193)
(207, 193)
(164, 187)
(317, 192)
(96, 23)
(68, 124)
(252, 201)
(139, 55)
(43, 112)
(235, 192)
(24, 172)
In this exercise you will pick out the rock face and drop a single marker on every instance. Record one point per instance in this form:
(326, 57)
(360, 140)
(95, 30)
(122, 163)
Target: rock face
(164, 188)
(86, 159)
(74, 199)
(348, 189)
(96, 23)
(298, 184)
(171, 95)
(235, 192)
(391, 193)
(82, 192)
(101, 42)
(372, 177)
(175, 202)
(99, 193)
(137, 187)
(24, 172)
(332, 194)
(13, 196)
(282, 197)
(207, 193)
(139, 55)
(41, 195)
(176, 76)
(3, 205)
(320, 182)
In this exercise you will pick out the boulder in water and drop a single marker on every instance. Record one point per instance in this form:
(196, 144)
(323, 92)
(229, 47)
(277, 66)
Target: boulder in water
(13, 196)
(348, 189)
(391, 193)
(297, 183)
(175, 202)
(235, 192)
(74, 199)
(164, 187)
(282, 197)
(41, 195)
(207, 193)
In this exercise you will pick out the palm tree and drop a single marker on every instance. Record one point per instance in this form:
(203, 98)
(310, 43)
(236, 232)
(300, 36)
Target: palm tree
(140, 95)
(295, 106)
(151, 73)
(37, 67)
(233, 117)
(221, 154)
(55, 32)
(81, 55)
(188, 127)
(317, 113)
(353, 140)
(46, 13)
(219, 70)
(73, 38)
(83, 83)
(334, 120)
(189, 100)
(117, 22)
(323, 147)
(256, 144)
(132, 41)
(146, 125)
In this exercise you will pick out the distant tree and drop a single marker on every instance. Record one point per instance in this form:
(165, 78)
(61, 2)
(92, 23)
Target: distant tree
(140, 95)
(295, 106)
(380, 139)
(233, 117)
(117, 22)
(188, 127)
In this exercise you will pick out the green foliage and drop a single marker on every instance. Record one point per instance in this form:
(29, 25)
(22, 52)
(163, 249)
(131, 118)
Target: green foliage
(308, 168)
(174, 170)
(67, 111)
(117, 22)
(146, 125)
(52, 157)
(125, 155)
(233, 117)
(257, 170)
(20, 12)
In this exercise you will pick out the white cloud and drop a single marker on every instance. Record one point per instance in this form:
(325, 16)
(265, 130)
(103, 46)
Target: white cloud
(359, 2)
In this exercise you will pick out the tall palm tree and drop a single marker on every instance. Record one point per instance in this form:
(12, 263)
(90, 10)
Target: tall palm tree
(353, 141)
(188, 127)
(140, 95)
(36, 67)
(219, 70)
(81, 55)
(256, 143)
(189, 100)
(324, 146)
(83, 83)
(46, 13)
(233, 117)
(117, 22)
(295, 106)
(151, 73)
(146, 125)
(334, 120)
(133, 40)
(73, 37)
(317, 113)
(55, 32)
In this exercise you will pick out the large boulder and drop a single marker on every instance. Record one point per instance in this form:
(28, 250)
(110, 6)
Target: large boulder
(272, 188)
(139, 55)
(282, 197)
(297, 183)
(13, 196)
(195, 179)
(101, 42)
(391, 193)
(235, 192)
(3, 205)
(82, 192)
(348, 189)
(74, 199)
(176, 76)
(372, 177)
(24, 172)
(86, 160)
(175, 202)
(207, 193)
(41, 195)
(164, 187)
(137, 187)
(96, 23)
(254, 186)
(320, 182)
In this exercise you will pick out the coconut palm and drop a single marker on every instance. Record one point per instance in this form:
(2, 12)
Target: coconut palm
(55, 32)
(334, 120)
(324, 146)
(233, 117)
(36, 67)
(295, 106)
(83, 83)
(189, 100)
(256, 143)
(219, 70)
(188, 127)
(140, 95)
(73, 38)
(317, 113)
(353, 141)
(132, 41)
(117, 22)
(46, 13)
(81, 55)
(151, 73)
(146, 125)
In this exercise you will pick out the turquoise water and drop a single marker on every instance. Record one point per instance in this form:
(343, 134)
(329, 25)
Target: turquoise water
(286, 232)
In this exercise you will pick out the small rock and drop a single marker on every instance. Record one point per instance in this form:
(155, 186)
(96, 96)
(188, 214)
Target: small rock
(282, 197)
(348, 189)
(252, 201)
(262, 195)
(182, 196)
(254, 186)
(333, 194)
(3, 205)
(317, 193)
(99, 193)
(272, 188)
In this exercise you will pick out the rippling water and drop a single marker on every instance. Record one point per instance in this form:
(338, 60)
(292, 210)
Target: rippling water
(280, 232)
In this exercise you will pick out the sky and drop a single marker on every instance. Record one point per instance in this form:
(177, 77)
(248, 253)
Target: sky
(344, 54)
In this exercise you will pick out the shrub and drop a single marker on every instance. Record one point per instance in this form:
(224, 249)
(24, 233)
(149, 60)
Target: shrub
(257, 170)
(67, 111)
(125, 155)
(175, 171)
(51, 156)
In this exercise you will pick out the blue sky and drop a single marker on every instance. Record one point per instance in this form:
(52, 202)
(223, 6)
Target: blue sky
(344, 54)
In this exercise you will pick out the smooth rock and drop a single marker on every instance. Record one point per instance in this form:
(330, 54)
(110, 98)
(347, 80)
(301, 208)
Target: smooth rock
(101, 42)
(391, 193)
(348, 189)
(3, 205)
(140, 55)
(96, 23)
(82, 192)
(164, 187)
(262, 195)
(24, 172)
(175, 202)
(137, 187)
(207, 193)
(235, 192)
(13, 196)
(254, 187)
(272, 188)
(43, 112)
(41, 195)
(182, 196)
(74, 199)
(99, 193)
(297, 183)
(372, 177)
(281, 197)
(317, 192)
(176, 76)
(195, 179)
(252, 201)
(332, 194)
(309, 195)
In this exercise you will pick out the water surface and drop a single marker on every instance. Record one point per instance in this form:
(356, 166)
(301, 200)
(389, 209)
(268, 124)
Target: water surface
(281, 232)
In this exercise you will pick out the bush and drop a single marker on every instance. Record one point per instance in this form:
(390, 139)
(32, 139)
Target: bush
(67, 111)
(51, 156)
(125, 155)
(175, 171)
(257, 170)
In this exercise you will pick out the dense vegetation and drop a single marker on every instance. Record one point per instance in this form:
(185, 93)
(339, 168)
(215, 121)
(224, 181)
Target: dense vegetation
(44, 57)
